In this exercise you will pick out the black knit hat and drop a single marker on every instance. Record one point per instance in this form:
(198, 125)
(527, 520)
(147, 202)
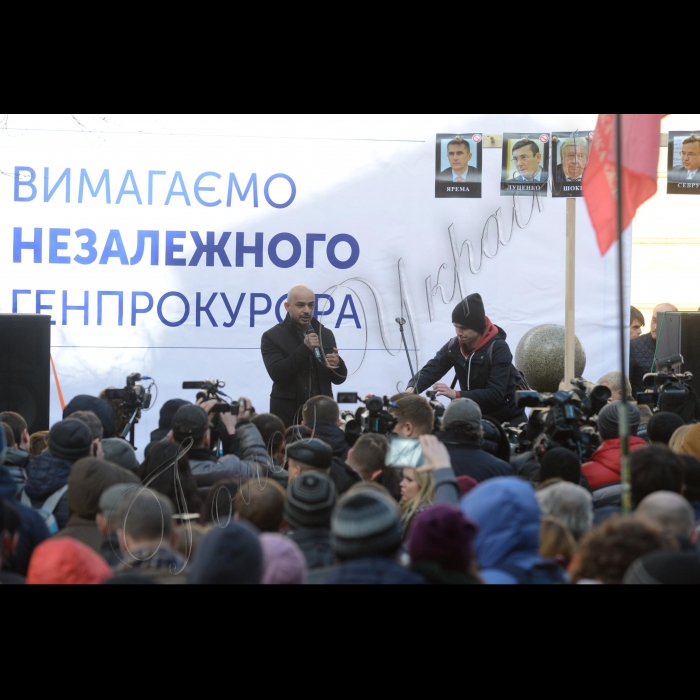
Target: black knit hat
(84, 402)
(70, 440)
(190, 421)
(609, 420)
(168, 410)
(230, 554)
(365, 523)
(314, 453)
(310, 501)
(470, 313)
(665, 568)
(560, 463)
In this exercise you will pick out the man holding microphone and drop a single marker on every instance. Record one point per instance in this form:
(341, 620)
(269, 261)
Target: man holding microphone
(301, 357)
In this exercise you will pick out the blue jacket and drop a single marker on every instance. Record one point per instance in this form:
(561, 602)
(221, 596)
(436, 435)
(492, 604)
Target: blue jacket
(373, 570)
(32, 531)
(508, 516)
(45, 475)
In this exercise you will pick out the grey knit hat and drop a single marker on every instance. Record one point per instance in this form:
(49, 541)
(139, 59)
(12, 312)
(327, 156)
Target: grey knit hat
(120, 452)
(609, 420)
(463, 411)
(365, 524)
(310, 500)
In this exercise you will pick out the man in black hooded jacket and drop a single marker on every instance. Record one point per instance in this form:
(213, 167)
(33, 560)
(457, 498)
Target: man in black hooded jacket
(482, 362)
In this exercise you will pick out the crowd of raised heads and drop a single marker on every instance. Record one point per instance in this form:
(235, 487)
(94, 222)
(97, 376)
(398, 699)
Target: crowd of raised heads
(240, 497)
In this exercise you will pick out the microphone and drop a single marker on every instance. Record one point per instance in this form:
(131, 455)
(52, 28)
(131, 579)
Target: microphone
(400, 321)
(317, 351)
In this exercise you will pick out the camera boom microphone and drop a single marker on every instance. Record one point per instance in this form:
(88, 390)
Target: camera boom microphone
(310, 329)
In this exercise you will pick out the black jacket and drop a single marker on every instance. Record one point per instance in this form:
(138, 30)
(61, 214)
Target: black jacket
(468, 459)
(343, 476)
(294, 369)
(372, 571)
(642, 351)
(32, 531)
(333, 435)
(486, 377)
(315, 543)
(45, 476)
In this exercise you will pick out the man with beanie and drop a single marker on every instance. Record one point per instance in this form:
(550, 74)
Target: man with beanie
(231, 554)
(165, 420)
(307, 511)
(100, 408)
(120, 452)
(441, 545)
(482, 362)
(462, 434)
(603, 470)
(47, 474)
(366, 537)
(89, 477)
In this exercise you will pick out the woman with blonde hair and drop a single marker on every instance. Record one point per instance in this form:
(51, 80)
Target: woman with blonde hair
(417, 494)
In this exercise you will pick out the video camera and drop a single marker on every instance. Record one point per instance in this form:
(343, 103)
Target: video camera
(668, 391)
(211, 389)
(438, 408)
(133, 396)
(373, 417)
(563, 419)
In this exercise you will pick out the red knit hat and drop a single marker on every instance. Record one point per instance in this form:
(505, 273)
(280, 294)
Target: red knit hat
(65, 560)
(444, 535)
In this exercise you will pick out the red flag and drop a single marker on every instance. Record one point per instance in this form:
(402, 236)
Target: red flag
(640, 159)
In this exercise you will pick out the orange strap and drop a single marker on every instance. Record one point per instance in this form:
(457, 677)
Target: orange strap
(58, 384)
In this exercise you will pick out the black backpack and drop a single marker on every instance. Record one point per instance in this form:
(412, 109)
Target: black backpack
(520, 381)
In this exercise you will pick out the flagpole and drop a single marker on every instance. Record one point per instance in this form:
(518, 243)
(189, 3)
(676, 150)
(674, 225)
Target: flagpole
(624, 337)
(570, 293)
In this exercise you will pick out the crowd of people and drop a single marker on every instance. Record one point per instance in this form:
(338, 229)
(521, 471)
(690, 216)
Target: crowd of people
(234, 496)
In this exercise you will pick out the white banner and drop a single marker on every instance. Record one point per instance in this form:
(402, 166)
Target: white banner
(165, 245)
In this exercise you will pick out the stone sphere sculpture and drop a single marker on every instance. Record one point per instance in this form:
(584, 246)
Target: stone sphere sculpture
(540, 357)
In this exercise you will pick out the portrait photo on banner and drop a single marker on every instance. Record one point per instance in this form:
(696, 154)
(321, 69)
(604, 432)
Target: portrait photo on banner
(570, 151)
(525, 164)
(683, 162)
(458, 165)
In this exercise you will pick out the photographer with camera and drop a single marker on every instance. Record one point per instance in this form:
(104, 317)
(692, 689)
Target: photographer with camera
(643, 350)
(194, 422)
(482, 361)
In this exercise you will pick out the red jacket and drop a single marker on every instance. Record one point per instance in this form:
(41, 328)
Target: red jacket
(604, 467)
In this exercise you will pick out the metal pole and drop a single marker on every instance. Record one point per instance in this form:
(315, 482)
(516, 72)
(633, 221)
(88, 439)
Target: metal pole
(624, 335)
(570, 294)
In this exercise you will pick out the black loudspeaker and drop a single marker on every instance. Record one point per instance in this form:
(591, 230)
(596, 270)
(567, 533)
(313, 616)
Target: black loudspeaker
(25, 373)
(679, 332)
